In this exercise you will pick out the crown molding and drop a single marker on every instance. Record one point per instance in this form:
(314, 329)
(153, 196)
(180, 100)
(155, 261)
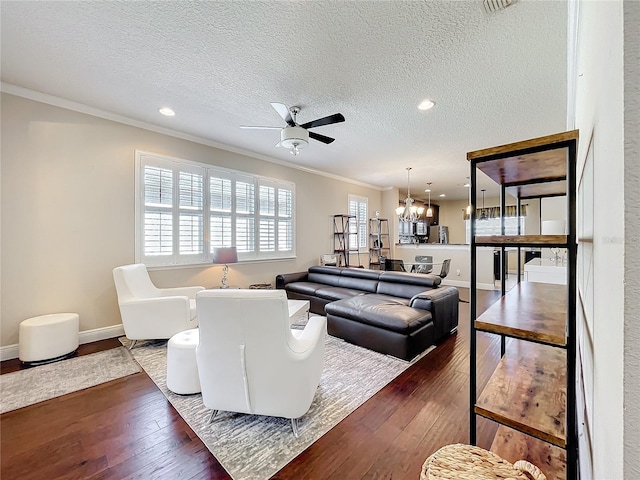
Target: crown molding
(114, 117)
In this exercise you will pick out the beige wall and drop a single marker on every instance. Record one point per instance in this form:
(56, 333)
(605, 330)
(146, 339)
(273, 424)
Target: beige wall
(600, 106)
(68, 212)
(632, 234)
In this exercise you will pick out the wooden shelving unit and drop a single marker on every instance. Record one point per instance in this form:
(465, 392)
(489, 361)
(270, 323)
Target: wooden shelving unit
(379, 242)
(531, 393)
(513, 445)
(343, 237)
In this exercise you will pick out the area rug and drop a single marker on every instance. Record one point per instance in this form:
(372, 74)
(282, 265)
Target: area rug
(255, 447)
(26, 387)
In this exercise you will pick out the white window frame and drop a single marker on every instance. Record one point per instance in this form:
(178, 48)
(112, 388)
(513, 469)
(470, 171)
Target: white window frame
(361, 225)
(283, 218)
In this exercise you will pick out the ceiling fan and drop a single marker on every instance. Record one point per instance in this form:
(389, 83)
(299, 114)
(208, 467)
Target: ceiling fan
(295, 136)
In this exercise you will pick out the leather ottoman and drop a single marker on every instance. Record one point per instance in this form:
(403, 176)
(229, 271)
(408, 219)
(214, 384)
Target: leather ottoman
(381, 323)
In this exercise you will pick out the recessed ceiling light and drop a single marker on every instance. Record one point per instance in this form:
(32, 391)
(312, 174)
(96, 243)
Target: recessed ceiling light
(167, 112)
(427, 190)
(426, 104)
(443, 195)
(466, 185)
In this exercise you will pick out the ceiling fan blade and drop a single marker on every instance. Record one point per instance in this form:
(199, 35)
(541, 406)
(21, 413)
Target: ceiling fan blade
(283, 111)
(321, 138)
(251, 127)
(335, 118)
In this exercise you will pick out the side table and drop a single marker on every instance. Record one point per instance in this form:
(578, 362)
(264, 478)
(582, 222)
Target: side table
(298, 312)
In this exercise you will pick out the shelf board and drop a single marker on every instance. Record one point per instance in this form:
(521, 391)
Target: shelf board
(527, 162)
(522, 240)
(528, 391)
(529, 311)
(513, 446)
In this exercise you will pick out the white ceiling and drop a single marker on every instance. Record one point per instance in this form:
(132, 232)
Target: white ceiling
(495, 78)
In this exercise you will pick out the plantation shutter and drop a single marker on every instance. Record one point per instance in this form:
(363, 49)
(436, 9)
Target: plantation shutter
(267, 218)
(220, 212)
(276, 219)
(358, 207)
(285, 220)
(158, 211)
(191, 208)
(245, 216)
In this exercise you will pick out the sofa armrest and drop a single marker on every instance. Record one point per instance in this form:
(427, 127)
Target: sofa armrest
(443, 304)
(284, 278)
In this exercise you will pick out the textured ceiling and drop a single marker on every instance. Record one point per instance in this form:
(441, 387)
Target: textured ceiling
(495, 78)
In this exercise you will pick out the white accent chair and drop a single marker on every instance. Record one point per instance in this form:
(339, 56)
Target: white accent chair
(149, 312)
(249, 359)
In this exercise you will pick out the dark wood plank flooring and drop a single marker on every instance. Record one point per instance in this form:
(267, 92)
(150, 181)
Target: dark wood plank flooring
(127, 429)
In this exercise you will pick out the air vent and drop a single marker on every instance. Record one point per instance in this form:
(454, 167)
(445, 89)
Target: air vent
(492, 6)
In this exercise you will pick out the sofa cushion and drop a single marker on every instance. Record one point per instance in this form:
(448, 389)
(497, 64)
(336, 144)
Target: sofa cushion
(325, 269)
(391, 299)
(406, 285)
(362, 284)
(324, 278)
(307, 288)
(361, 273)
(380, 312)
(337, 293)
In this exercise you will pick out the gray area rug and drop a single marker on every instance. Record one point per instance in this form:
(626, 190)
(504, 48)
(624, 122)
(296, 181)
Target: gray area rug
(255, 447)
(26, 387)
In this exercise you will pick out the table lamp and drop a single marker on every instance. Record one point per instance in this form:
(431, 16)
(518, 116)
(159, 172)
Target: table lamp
(225, 256)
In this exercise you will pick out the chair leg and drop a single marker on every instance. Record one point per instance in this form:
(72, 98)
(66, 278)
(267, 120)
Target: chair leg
(214, 414)
(133, 343)
(294, 425)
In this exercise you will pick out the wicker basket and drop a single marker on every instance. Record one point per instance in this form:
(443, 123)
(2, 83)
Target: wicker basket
(466, 462)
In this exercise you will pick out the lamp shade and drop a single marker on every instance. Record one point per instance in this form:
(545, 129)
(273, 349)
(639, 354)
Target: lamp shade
(225, 255)
(553, 227)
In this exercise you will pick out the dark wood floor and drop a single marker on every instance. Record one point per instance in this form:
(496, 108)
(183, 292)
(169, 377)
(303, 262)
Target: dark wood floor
(127, 429)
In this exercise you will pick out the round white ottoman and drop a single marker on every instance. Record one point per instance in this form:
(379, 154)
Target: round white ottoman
(182, 369)
(48, 337)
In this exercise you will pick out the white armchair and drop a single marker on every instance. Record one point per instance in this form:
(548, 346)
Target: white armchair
(249, 359)
(149, 312)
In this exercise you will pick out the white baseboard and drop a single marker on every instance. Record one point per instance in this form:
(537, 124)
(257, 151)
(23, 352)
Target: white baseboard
(466, 284)
(11, 351)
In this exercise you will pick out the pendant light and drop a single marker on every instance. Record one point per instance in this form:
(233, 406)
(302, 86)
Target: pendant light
(410, 212)
(483, 215)
(429, 209)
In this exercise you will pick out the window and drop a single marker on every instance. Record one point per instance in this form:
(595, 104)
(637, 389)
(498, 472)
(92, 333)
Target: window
(358, 208)
(185, 209)
(492, 226)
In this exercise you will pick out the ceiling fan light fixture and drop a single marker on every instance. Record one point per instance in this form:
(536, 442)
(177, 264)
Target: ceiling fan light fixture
(294, 138)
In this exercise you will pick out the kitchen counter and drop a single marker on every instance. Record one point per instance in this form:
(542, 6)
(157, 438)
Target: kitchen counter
(544, 270)
(460, 255)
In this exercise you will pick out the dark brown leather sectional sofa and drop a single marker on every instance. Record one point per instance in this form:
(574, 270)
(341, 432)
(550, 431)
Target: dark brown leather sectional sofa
(400, 314)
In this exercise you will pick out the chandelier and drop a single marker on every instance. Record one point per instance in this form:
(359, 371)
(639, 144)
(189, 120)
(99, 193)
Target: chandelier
(409, 213)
